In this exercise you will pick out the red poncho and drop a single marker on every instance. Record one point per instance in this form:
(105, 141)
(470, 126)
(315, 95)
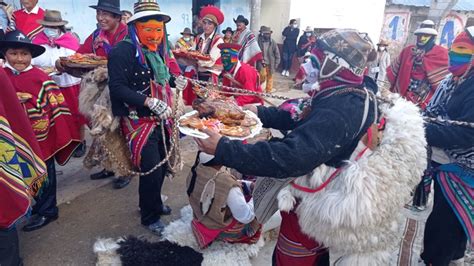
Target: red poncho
(22, 171)
(245, 77)
(434, 69)
(52, 123)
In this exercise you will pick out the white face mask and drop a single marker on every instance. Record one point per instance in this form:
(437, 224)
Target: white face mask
(52, 33)
(295, 26)
(187, 39)
(381, 48)
(308, 34)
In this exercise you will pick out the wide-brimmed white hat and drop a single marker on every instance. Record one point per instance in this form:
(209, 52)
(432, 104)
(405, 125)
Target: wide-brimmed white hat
(428, 31)
(147, 9)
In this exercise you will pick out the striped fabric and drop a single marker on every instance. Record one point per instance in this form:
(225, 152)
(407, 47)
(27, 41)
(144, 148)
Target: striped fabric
(21, 175)
(137, 132)
(19, 160)
(295, 249)
(146, 5)
(437, 108)
(250, 52)
(457, 185)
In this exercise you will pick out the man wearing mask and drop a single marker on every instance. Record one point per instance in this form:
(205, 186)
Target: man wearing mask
(449, 227)
(415, 74)
(25, 20)
(243, 36)
(290, 33)
(419, 69)
(378, 68)
(140, 68)
(239, 74)
(271, 57)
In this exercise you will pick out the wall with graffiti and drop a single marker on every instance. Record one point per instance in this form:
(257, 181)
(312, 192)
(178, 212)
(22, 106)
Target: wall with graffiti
(399, 24)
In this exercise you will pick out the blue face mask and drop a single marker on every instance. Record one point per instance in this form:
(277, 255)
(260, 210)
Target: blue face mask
(52, 33)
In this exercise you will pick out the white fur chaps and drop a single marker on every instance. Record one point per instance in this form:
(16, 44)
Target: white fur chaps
(355, 215)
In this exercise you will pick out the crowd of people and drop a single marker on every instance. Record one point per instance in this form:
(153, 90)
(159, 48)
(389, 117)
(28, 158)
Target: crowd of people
(342, 71)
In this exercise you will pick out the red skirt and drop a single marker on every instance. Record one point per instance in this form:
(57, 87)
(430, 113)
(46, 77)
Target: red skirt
(293, 246)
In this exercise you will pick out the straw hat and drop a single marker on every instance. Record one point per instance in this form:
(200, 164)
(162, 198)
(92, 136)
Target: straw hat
(147, 9)
(265, 29)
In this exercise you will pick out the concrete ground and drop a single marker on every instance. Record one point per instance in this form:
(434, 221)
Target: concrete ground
(90, 209)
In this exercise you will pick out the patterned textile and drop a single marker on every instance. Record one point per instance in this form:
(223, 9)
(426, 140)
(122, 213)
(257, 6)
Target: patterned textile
(22, 172)
(438, 108)
(137, 132)
(250, 52)
(27, 23)
(461, 55)
(235, 232)
(49, 115)
(433, 66)
(457, 184)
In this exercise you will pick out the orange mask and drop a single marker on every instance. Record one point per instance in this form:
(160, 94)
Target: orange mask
(150, 33)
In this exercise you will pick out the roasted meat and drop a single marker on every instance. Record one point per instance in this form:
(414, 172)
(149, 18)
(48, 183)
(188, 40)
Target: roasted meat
(227, 112)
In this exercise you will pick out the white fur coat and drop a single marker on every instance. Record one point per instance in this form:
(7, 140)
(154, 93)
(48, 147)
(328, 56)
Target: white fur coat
(355, 215)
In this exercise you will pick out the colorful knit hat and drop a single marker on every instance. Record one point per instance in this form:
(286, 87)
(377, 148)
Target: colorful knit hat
(353, 47)
(461, 54)
(147, 9)
(213, 14)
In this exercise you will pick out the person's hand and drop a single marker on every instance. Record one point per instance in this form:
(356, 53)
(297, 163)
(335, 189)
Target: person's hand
(251, 107)
(209, 145)
(158, 107)
(181, 83)
(59, 66)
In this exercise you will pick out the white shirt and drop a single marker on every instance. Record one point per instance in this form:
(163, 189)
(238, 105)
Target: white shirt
(241, 210)
(48, 59)
(214, 53)
(35, 10)
(16, 72)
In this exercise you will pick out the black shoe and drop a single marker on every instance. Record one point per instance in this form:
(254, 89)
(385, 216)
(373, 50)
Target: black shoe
(165, 210)
(80, 150)
(37, 222)
(102, 174)
(121, 182)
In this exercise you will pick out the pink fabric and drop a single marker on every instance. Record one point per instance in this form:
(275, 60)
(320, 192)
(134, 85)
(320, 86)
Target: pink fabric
(67, 40)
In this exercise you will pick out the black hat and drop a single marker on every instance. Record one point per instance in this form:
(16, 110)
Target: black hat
(16, 39)
(112, 6)
(3, 3)
(227, 29)
(241, 18)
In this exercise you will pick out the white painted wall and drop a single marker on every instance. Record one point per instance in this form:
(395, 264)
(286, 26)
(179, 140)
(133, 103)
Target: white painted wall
(276, 15)
(363, 15)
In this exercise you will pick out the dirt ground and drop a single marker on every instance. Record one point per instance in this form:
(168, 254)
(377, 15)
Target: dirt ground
(91, 209)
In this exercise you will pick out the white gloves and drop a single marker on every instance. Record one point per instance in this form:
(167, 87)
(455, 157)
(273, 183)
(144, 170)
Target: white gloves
(181, 83)
(160, 108)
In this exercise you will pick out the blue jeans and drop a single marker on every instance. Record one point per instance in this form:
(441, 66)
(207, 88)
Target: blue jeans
(287, 59)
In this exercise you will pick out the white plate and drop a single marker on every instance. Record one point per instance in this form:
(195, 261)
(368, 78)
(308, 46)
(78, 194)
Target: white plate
(254, 130)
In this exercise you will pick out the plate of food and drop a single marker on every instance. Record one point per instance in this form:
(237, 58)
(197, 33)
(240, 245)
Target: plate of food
(225, 117)
(196, 55)
(87, 61)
